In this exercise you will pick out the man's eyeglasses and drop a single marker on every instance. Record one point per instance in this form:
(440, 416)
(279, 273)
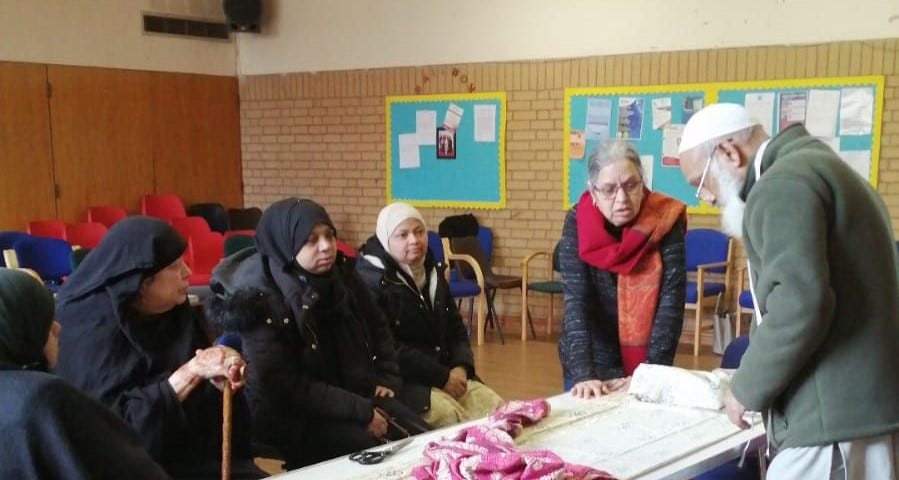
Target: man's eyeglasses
(705, 173)
(630, 187)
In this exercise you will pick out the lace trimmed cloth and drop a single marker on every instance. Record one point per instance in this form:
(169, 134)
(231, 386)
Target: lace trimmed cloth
(680, 387)
(488, 451)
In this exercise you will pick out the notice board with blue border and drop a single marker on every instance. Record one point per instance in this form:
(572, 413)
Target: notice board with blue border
(844, 112)
(650, 117)
(447, 150)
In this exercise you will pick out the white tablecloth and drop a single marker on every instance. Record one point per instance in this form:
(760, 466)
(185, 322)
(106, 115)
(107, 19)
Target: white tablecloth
(615, 433)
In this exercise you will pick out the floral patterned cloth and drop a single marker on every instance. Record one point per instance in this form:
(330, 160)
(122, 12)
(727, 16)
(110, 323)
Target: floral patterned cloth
(488, 451)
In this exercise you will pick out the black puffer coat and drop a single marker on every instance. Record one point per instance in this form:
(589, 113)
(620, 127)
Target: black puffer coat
(429, 334)
(297, 367)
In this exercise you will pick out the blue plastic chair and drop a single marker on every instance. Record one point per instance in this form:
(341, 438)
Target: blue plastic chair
(733, 353)
(709, 253)
(49, 257)
(7, 240)
(459, 287)
(552, 286)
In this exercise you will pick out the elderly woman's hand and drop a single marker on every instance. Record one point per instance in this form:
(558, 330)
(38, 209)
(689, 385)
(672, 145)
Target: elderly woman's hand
(217, 364)
(587, 389)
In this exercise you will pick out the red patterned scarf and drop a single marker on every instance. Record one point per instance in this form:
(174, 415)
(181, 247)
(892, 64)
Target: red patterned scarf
(636, 260)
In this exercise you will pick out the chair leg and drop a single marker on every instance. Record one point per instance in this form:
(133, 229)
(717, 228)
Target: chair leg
(549, 316)
(533, 332)
(531, 323)
(697, 324)
(470, 312)
(481, 316)
(525, 313)
(492, 317)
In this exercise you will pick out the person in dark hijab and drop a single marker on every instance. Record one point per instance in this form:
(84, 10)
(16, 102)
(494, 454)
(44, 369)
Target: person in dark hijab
(322, 366)
(130, 339)
(47, 428)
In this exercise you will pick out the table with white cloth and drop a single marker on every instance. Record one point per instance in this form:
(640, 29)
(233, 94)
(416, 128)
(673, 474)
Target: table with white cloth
(615, 433)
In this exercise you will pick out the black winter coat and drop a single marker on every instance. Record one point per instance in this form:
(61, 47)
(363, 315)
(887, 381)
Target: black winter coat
(297, 368)
(429, 334)
(49, 429)
(588, 347)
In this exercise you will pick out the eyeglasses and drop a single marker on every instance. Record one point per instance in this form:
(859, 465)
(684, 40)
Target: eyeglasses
(705, 173)
(608, 192)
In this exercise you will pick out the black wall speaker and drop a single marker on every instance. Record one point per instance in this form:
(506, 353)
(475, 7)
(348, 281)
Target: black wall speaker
(243, 15)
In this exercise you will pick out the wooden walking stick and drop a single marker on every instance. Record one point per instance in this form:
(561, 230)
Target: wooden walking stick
(231, 340)
(226, 431)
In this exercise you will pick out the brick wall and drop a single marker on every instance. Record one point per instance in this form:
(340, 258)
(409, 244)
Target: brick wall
(321, 135)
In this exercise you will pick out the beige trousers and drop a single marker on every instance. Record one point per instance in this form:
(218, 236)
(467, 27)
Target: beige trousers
(479, 400)
(869, 458)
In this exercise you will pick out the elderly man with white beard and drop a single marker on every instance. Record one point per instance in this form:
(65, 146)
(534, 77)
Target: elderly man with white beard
(822, 361)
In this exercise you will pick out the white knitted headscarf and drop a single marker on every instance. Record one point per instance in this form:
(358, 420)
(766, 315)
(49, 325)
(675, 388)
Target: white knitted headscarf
(390, 217)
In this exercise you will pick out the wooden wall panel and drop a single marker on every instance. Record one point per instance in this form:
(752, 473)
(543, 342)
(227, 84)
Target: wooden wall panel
(102, 137)
(196, 137)
(26, 172)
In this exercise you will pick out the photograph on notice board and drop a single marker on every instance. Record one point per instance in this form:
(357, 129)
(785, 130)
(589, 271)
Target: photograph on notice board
(690, 105)
(630, 117)
(792, 109)
(446, 142)
(577, 145)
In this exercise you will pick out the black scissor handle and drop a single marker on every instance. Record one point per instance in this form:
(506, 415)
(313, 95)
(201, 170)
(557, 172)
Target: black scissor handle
(365, 457)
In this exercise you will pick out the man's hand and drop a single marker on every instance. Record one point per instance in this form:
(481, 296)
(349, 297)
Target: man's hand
(734, 410)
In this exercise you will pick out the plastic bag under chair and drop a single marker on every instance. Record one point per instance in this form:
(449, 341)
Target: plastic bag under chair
(722, 333)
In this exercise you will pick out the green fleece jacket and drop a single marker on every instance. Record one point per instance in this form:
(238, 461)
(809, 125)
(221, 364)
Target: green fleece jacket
(824, 362)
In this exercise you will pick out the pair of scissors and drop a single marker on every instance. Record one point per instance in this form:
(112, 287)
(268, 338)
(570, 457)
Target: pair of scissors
(374, 456)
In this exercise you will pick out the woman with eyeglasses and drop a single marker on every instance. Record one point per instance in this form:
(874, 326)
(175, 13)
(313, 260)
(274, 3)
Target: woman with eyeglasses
(622, 261)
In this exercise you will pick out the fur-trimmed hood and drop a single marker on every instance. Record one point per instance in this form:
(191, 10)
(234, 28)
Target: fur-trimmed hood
(241, 287)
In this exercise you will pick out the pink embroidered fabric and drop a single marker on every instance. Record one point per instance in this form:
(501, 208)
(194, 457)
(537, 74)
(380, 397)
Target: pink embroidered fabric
(488, 451)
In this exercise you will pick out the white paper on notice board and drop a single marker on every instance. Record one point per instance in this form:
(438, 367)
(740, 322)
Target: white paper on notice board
(860, 161)
(485, 123)
(426, 127)
(647, 161)
(409, 152)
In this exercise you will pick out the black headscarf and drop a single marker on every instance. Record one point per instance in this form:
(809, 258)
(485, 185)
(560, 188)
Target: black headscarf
(26, 313)
(132, 250)
(284, 227)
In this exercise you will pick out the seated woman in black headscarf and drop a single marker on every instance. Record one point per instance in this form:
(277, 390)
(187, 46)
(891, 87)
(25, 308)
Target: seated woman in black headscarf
(130, 339)
(47, 428)
(322, 367)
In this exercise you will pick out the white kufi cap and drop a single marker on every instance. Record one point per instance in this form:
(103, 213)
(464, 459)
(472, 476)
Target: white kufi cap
(714, 121)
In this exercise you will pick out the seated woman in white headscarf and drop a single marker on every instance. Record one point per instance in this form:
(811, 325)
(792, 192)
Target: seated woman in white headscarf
(49, 429)
(432, 345)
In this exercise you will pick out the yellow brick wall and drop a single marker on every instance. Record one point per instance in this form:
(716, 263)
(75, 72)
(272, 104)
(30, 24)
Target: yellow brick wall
(321, 135)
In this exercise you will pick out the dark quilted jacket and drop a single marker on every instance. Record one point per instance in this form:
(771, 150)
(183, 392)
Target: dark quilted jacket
(429, 334)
